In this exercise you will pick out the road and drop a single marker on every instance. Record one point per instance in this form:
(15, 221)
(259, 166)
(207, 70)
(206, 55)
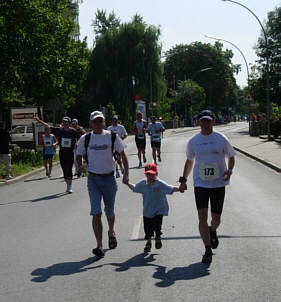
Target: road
(46, 239)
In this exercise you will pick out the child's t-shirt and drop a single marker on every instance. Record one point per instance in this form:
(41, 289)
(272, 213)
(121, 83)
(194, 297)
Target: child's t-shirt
(154, 197)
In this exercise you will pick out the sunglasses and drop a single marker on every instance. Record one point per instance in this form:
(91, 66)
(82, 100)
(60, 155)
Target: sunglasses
(97, 121)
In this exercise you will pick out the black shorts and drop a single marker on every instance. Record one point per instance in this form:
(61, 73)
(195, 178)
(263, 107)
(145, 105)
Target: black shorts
(66, 162)
(156, 145)
(141, 143)
(152, 225)
(216, 196)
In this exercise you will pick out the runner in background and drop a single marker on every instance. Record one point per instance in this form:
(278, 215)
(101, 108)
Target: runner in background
(49, 145)
(139, 129)
(67, 138)
(80, 130)
(155, 129)
(121, 131)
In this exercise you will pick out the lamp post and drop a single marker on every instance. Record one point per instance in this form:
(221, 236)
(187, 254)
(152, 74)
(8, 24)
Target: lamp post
(267, 66)
(244, 58)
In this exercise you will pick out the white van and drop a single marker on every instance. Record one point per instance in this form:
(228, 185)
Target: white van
(22, 136)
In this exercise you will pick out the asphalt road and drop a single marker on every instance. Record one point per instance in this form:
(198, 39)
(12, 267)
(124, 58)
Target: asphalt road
(46, 239)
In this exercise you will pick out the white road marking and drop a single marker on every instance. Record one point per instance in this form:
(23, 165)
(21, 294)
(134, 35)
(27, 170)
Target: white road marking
(136, 229)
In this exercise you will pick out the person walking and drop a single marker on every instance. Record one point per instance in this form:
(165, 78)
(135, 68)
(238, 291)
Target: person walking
(98, 148)
(139, 129)
(67, 138)
(210, 176)
(121, 131)
(49, 145)
(155, 129)
(155, 204)
(80, 130)
(5, 155)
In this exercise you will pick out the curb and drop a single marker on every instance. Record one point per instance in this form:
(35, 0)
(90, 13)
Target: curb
(260, 160)
(24, 176)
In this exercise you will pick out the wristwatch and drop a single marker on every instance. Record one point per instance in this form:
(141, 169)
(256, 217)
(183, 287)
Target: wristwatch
(182, 179)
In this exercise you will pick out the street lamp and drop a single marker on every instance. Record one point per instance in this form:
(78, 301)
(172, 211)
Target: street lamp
(267, 66)
(198, 71)
(219, 39)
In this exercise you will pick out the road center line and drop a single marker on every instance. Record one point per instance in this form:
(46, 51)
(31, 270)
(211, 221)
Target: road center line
(136, 229)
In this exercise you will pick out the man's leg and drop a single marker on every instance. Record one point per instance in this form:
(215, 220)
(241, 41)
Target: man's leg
(111, 222)
(159, 153)
(203, 226)
(50, 166)
(97, 228)
(154, 154)
(7, 162)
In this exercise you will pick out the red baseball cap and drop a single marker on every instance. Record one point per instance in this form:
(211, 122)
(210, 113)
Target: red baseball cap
(150, 168)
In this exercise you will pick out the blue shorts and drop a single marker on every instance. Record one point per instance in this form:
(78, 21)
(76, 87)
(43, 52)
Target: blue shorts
(48, 156)
(102, 187)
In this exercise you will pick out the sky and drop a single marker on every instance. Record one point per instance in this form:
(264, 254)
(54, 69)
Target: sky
(187, 21)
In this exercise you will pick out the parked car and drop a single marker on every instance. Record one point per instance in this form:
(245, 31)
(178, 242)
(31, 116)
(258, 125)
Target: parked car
(22, 136)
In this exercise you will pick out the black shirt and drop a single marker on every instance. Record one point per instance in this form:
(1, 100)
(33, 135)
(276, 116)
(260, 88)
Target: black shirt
(5, 139)
(67, 138)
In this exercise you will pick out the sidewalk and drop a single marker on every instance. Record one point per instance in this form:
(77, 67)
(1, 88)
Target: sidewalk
(260, 149)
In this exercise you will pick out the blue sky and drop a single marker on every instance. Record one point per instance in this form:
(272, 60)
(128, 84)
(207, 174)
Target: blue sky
(186, 21)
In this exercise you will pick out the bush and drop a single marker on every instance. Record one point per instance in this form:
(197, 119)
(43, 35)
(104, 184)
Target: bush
(29, 157)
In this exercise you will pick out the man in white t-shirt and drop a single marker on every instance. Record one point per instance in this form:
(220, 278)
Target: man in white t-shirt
(210, 176)
(121, 131)
(98, 147)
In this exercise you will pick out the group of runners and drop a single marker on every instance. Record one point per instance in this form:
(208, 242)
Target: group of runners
(104, 149)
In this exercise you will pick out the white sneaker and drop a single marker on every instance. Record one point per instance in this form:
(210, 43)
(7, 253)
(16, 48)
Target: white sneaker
(68, 189)
(8, 177)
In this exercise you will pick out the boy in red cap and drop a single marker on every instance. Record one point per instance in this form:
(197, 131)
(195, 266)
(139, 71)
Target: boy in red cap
(155, 205)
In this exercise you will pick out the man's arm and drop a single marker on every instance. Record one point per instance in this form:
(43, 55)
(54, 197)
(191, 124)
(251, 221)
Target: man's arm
(231, 162)
(79, 159)
(186, 171)
(126, 167)
(41, 122)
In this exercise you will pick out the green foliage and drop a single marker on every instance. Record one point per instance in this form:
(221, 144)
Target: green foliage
(186, 62)
(188, 97)
(29, 157)
(258, 76)
(39, 59)
(125, 62)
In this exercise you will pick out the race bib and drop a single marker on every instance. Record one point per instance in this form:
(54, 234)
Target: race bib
(48, 143)
(66, 142)
(140, 136)
(208, 171)
(155, 137)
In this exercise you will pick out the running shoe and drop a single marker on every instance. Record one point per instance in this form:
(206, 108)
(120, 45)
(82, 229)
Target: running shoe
(207, 257)
(214, 238)
(98, 252)
(144, 159)
(8, 177)
(117, 174)
(79, 174)
(159, 158)
(140, 165)
(122, 170)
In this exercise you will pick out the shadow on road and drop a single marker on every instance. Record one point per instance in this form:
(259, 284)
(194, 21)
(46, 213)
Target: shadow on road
(168, 278)
(36, 179)
(139, 260)
(49, 197)
(62, 269)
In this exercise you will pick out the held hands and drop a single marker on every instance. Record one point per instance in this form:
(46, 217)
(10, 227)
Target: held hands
(226, 175)
(182, 187)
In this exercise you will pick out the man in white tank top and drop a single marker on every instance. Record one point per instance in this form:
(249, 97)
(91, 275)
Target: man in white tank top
(139, 129)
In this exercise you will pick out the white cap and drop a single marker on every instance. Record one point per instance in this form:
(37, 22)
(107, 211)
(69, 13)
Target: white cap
(96, 114)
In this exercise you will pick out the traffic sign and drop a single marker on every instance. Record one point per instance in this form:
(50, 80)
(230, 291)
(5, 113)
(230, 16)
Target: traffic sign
(249, 98)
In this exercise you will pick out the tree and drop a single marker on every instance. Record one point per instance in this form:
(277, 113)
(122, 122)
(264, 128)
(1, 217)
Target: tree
(185, 61)
(125, 62)
(189, 98)
(39, 59)
(272, 28)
